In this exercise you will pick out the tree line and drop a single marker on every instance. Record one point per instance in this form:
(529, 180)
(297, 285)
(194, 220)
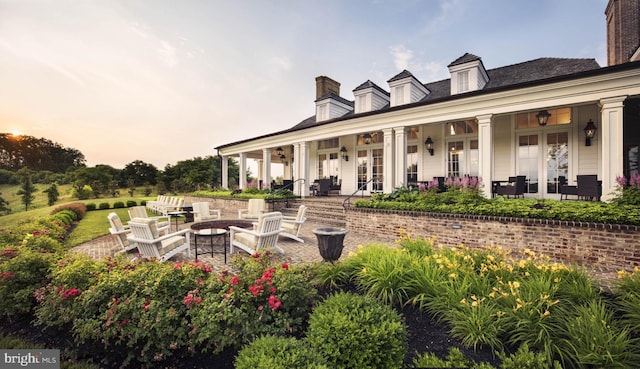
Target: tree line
(22, 162)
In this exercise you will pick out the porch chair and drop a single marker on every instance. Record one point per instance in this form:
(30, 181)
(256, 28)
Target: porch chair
(121, 232)
(141, 212)
(566, 189)
(263, 235)
(255, 207)
(292, 225)
(201, 212)
(324, 186)
(144, 232)
(515, 187)
(589, 188)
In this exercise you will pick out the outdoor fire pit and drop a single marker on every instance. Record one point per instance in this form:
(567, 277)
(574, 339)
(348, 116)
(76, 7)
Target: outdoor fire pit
(330, 242)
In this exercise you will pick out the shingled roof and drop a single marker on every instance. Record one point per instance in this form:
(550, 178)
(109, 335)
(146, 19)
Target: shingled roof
(499, 78)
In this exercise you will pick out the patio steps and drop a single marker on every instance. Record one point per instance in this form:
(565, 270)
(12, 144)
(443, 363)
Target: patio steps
(322, 210)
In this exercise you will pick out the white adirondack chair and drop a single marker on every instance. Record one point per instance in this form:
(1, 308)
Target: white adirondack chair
(145, 233)
(201, 212)
(263, 235)
(141, 212)
(255, 207)
(121, 232)
(292, 225)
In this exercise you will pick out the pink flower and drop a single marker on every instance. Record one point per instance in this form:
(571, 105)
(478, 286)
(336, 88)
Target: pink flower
(71, 292)
(274, 302)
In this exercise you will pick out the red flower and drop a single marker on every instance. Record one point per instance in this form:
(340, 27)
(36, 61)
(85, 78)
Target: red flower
(71, 292)
(255, 255)
(145, 307)
(6, 275)
(235, 280)
(285, 266)
(274, 302)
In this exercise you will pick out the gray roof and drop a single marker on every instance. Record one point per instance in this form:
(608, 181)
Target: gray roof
(519, 75)
(369, 84)
(331, 95)
(464, 59)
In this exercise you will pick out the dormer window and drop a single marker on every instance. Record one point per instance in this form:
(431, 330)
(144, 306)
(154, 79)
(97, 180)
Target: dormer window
(370, 97)
(406, 89)
(322, 111)
(467, 74)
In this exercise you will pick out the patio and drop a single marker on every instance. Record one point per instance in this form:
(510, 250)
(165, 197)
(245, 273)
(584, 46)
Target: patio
(298, 252)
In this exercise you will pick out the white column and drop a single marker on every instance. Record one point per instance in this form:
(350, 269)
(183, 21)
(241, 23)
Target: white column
(224, 171)
(388, 161)
(485, 151)
(266, 168)
(242, 170)
(303, 168)
(612, 143)
(400, 156)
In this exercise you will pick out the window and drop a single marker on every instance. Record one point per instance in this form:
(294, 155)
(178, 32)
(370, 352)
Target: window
(399, 91)
(463, 81)
(462, 127)
(376, 137)
(558, 117)
(362, 103)
(323, 112)
(557, 159)
(328, 165)
(455, 158)
(330, 143)
(528, 161)
(412, 164)
(412, 133)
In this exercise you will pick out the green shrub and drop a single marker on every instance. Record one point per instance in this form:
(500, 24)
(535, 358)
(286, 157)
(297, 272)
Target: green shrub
(118, 205)
(91, 206)
(63, 217)
(41, 243)
(525, 359)
(131, 203)
(266, 296)
(104, 205)
(22, 272)
(269, 352)
(353, 331)
(143, 202)
(455, 359)
(628, 299)
(80, 209)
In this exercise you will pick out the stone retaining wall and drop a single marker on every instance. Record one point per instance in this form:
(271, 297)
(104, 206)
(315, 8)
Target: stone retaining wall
(232, 203)
(606, 245)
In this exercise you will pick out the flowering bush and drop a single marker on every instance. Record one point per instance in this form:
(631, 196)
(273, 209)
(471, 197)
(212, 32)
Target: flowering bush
(266, 296)
(22, 272)
(463, 184)
(627, 191)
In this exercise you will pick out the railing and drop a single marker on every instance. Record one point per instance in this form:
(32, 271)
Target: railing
(347, 202)
(289, 186)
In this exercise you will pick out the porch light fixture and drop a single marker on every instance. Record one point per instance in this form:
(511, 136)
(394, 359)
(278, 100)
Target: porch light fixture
(543, 117)
(283, 159)
(428, 143)
(366, 138)
(589, 132)
(279, 151)
(343, 153)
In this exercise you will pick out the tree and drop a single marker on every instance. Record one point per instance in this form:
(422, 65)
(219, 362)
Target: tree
(52, 194)
(140, 173)
(27, 188)
(4, 205)
(37, 154)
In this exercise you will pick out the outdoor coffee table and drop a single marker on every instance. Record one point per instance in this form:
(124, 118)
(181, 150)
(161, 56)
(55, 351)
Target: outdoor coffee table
(216, 228)
(175, 214)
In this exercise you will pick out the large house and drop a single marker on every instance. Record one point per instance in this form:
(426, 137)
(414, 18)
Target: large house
(534, 119)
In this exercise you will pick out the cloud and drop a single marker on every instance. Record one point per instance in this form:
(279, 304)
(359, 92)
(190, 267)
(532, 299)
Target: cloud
(401, 57)
(167, 53)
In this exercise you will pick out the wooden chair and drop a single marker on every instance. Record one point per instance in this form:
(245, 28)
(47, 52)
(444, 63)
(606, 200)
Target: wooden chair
(264, 235)
(141, 212)
(515, 187)
(292, 225)
(201, 212)
(255, 207)
(145, 233)
(121, 232)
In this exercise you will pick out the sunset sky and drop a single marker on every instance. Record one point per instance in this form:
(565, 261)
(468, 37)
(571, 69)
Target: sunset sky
(163, 81)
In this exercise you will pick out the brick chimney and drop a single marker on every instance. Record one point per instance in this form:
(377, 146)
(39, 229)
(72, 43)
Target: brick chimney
(325, 85)
(623, 30)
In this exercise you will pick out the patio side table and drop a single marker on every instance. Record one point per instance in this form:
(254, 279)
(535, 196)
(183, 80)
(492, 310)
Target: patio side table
(211, 233)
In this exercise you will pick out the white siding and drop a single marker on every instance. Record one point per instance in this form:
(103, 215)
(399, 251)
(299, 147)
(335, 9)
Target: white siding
(503, 144)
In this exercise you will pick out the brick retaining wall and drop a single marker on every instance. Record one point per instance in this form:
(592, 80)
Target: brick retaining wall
(608, 245)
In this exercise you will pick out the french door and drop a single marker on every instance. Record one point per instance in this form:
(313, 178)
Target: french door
(543, 158)
(370, 165)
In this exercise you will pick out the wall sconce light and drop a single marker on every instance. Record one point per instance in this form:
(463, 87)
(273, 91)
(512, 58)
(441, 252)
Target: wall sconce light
(279, 152)
(343, 153)
(543, 117)
(589, 132)
(428, 143)
(366, 138)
